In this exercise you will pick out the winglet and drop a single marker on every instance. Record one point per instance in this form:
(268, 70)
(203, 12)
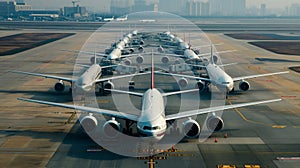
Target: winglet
(152, 70)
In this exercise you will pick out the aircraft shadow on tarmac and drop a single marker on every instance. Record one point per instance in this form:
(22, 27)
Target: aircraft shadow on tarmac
(274, 60)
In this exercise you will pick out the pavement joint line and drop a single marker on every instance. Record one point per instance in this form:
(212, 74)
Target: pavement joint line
(255, 122)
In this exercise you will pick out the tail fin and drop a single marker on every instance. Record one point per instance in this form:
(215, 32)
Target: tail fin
(211, 55)
(152, 70)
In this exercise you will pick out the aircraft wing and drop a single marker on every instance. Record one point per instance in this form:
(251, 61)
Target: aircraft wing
(214, 109)
(126, 92)
(163, 94)
(87, 52)
(185, 76)
(102, 67)
(86, 109)
(180, 92)
(46, 76)
(119, 77)
(260, 75)
(218, 52)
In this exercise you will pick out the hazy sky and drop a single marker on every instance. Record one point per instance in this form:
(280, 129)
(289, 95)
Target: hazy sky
(103, 4)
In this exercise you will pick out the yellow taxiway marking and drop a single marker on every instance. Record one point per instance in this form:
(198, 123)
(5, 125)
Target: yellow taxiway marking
(255, 122)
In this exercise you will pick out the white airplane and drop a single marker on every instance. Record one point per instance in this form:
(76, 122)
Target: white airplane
(218, 77)
(152, 121)
(109, 19)
(122, 18)
(116, 51)
(85, 82)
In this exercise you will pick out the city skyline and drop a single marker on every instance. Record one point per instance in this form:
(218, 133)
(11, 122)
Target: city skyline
(103, 5)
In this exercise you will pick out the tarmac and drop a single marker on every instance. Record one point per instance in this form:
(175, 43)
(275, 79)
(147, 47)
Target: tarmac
(33, 135)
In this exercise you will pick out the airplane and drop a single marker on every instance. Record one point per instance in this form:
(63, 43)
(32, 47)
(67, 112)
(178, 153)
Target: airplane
(152, 121)
(117, 50)
(84, 82)
(108, 19)
(122, 18)
(218, 77)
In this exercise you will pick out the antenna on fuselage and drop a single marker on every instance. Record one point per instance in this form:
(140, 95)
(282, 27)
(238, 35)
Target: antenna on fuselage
(152, 70)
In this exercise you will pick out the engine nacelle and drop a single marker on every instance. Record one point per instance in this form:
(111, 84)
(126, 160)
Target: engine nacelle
(183, 82)
(244, 85)
(214, 123)
(160, 49)
(127, 62)
(139, 59)
(131, 50)
(141, 49)
(196, 51)
(59, 86)
(142, 42)
(200, 85)
(178, 61)
(165, 59)
(109, 85)
(191, 128)
(111, 128)
(215, 58)
(89, 123)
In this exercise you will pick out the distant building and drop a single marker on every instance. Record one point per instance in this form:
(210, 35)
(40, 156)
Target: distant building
(144, 5)
(121, 7)
(197, 8)
(227, 7)
(263, 10)
(77, 11)
(11, 8)
(294, 10)
(173, 6)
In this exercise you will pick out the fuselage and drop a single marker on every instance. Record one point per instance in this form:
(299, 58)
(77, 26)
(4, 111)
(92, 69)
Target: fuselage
(152, 122)
(86, 81)
(190, 54)
(219, 77)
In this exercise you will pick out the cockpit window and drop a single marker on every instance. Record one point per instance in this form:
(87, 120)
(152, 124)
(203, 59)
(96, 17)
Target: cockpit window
(225, 82)
(151, 128)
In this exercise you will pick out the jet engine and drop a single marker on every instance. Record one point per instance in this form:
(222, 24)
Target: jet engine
(59, 86)
(141, 48)
(89, 123)
(160, 49)
(142, 42)
(244, 85)
(201, 85)
(165, 59)
(111, 128)
(178, 61)
(131, 50)
(127, 62)
(183, 82)
(139, 59)
(196, 51)
(215, 58)
(214, 123)
(109, 85)
(191, 128)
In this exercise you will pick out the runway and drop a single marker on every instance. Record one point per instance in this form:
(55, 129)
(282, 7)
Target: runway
(42, 136)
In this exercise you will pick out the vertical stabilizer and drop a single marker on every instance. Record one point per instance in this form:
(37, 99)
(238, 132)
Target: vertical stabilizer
(211, 55)
(152, 70)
